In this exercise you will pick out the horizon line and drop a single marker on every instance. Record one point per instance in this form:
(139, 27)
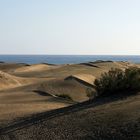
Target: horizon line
(80, 54)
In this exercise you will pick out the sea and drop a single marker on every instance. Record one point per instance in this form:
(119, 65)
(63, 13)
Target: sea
(66, 59)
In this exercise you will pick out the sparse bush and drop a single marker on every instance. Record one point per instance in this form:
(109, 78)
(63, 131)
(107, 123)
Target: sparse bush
(132, 78)
(65, 96)
(118, 80)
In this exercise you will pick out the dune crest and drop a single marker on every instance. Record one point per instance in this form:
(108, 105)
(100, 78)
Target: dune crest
(84, 78)
(8, 81)
(34, 67)
(27, 89)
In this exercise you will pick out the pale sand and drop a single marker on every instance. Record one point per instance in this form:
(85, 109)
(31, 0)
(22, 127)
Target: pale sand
(87, 78)
(35, 67)
(21, 85)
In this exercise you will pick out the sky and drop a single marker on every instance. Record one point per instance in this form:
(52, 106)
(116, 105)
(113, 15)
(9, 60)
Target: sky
(76, 27)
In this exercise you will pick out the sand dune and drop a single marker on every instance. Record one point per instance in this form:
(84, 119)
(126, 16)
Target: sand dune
(86, 79)
(118, 64)
(35, 67)
(74, 89)
(9, 67)
(8, 81)
(89, 64)
(105, 119)
(20, 103)
(25, 88)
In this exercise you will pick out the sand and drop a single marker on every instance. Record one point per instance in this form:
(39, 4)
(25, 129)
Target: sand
(28, 89)
(35, 67)
(118, 120)
(83, 78)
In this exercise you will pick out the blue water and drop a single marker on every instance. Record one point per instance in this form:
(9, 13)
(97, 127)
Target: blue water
(65, 59)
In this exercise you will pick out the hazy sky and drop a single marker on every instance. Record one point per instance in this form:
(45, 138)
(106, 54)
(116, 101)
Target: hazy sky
(69, 26)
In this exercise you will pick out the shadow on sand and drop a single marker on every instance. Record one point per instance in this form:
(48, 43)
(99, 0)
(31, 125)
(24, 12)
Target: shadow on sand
(37, 118)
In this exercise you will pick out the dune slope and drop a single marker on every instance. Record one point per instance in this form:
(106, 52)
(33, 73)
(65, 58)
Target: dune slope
(28, 89)
(105, 121)
(8, 81)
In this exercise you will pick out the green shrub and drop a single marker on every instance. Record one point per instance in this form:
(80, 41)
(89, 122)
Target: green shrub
(65, 96)
(132, 78)
(118, 80)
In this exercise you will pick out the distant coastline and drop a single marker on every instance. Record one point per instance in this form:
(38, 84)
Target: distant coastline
(66, 59)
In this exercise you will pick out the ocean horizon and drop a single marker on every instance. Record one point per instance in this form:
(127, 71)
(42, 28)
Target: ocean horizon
(66, 59)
